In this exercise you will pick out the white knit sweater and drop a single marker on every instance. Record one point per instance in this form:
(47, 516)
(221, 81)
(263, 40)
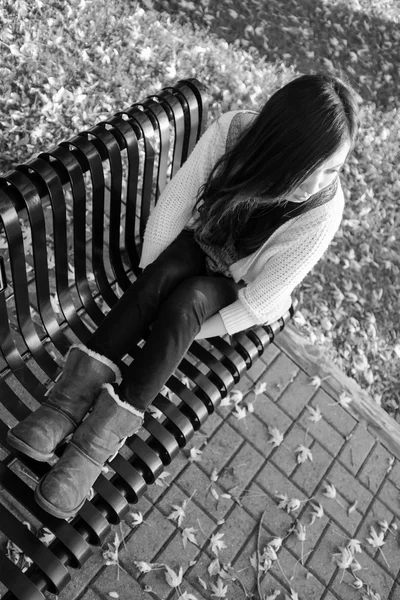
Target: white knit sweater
(274, 270)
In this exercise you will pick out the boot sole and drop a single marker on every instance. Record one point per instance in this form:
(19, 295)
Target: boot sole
(50, 508)
(28, 450)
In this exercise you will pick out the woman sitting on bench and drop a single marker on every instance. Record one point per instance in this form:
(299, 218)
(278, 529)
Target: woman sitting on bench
(236, 230)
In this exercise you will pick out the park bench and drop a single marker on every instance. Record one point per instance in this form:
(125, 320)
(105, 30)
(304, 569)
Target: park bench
(71, 225)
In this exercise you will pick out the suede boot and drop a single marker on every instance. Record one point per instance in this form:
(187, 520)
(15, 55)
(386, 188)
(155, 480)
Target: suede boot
(66, 403)
(63, 491)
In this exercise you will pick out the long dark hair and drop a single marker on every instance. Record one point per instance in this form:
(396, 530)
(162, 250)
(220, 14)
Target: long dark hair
(299, 127)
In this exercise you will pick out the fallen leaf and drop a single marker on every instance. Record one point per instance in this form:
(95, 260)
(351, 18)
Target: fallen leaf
(173, 579)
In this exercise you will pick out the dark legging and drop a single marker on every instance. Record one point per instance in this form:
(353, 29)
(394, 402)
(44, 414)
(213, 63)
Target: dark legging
(176, 296)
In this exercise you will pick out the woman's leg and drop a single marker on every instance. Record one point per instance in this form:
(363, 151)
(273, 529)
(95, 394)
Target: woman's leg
(118, 412)
(177, 323)
(131, 316)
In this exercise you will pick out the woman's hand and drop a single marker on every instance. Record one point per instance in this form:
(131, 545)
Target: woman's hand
(212, 327)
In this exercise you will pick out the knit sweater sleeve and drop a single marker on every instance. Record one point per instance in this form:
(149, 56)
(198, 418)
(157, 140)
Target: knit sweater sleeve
(175, 205)
(266, 298)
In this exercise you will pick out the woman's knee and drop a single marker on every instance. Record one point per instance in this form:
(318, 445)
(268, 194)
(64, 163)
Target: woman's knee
(187, 303)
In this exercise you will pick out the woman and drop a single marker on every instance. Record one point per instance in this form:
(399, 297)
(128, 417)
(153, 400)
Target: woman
(236, 230)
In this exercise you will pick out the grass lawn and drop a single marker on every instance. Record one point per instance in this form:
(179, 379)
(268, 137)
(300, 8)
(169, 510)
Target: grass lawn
(65, 65)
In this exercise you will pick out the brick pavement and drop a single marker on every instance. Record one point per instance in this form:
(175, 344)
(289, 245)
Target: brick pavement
(235, 481)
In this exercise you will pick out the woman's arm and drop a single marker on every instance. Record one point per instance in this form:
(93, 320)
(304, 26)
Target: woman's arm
(175, 205)
(212, 327)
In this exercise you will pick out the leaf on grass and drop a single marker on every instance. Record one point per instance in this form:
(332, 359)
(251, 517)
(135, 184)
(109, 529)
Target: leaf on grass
(188, 535)
(315, 413)
(217, 543)
(195, 454)
(173, 579)
(276, 436)
(303, 453)
(220, 590)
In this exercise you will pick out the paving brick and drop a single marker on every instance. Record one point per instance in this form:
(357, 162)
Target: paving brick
(89, 595)
(194, 515)
(358, 445)
(395, 592)
(374, 471)
(309, 474)
(297, 395)
(309, 588)
(320, 562)
(269, 355)
(257, 372)
(241, 469)
(335, 414)
(237, 529)
(243, 568)
(391, 549)
(313, 533)
(322, 431)
(338, 512)
(254, 431)
(189, 589)
(81, 578)
(270, 413)
(200, 570)
(371, 574)
(349, 487)
(146, 540)
(225, 442)
(284, 456)
(270, 585)
(244, 385)
(394, 474)
(179, 463)
(280, 374)
(272, 480)
(208, 428)
(194, 479)
(389, 495)
(256, 501)
(110, 580)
